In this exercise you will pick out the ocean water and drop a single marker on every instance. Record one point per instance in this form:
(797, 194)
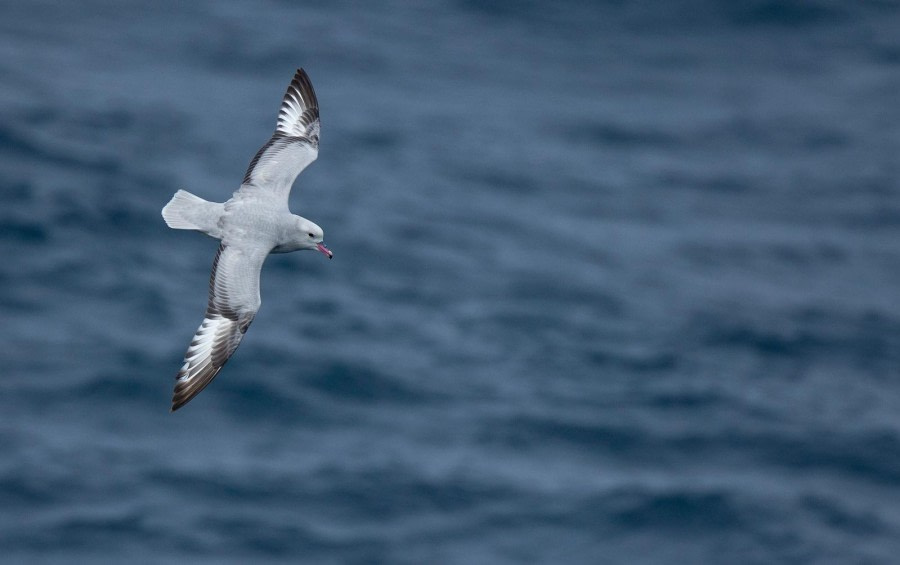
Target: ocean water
(614, 282)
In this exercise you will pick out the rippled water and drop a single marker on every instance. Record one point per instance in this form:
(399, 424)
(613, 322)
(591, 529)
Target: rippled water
(613, 283)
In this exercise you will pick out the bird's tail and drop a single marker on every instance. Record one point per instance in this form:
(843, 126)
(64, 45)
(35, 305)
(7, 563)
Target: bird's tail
(186, 211)
(181, 208)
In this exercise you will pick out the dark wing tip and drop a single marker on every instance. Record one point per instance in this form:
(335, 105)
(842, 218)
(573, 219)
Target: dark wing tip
(180, 398)
(186, 390)
(297, 117)
(303, 85)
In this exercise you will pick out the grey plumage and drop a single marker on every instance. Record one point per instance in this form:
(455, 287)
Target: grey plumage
(295, 143)
(253, 223)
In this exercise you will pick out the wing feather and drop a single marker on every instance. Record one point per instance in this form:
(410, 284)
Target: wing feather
(233, 303)
(293, 146)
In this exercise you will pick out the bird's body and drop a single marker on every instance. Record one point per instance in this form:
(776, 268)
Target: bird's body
(256, 221)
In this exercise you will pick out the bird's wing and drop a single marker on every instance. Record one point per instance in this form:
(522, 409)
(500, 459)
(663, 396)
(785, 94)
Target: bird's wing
(293, 146)
(233, 303)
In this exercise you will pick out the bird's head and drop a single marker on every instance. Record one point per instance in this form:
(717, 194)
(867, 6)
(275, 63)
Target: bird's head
(311, 236)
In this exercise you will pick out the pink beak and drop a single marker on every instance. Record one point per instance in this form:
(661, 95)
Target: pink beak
(325, 250)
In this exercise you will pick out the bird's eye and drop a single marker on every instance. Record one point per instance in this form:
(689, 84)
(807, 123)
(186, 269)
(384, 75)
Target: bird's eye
(311, 235)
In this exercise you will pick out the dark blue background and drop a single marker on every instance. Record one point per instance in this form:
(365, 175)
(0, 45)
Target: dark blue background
(614, 282)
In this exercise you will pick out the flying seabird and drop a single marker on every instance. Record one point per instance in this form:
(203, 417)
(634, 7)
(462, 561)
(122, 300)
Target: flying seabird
(256, 221)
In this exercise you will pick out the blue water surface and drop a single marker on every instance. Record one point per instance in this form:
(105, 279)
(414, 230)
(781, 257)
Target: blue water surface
(614, 282)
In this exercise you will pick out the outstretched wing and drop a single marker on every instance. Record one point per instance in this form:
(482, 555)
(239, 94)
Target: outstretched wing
(233, 303)
(293, 146)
